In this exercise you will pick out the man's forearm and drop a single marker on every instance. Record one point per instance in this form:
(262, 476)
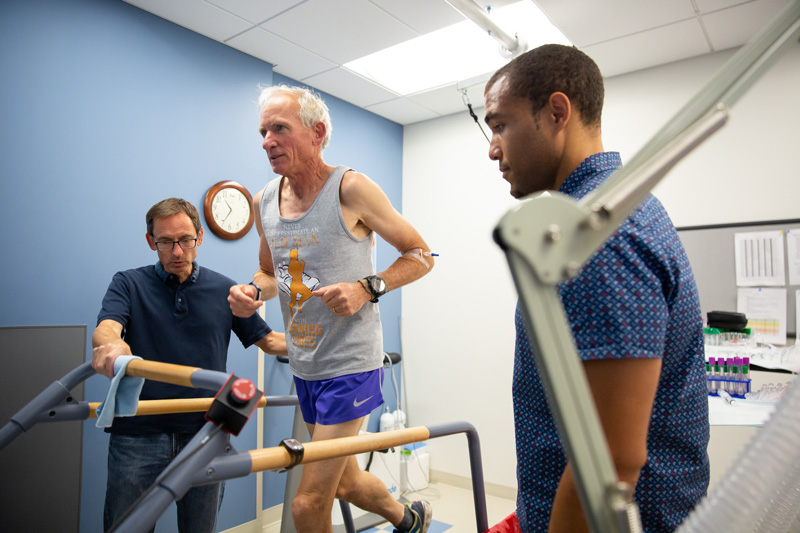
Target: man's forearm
(567, 513)
(104, 334)
(406, 269)
(274, 343)
(267, 283)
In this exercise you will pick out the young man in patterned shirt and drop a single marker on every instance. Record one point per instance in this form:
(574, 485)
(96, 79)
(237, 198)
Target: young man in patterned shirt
(633, 310)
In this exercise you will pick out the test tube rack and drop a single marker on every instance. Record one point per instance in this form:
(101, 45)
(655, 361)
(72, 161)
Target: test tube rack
(726, 337)
(736, 388)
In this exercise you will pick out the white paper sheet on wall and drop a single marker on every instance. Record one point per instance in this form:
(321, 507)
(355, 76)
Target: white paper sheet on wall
(760, 259)
(793, 255)
(766, 313)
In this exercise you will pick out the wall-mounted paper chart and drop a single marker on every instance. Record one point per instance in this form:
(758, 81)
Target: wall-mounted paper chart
(793, 255)
(760, 259)
(766, 313)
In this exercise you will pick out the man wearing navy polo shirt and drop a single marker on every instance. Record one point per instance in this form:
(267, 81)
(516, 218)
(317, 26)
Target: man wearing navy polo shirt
(171, 312)
(633, 310)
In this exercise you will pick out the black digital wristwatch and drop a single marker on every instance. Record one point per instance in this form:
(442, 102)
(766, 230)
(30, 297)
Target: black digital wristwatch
(295, 450)
(375, 286)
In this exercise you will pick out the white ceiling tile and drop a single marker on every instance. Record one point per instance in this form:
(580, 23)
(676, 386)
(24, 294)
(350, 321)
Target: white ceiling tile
(348, 86)
(255, 11)
(587, 22)
(496, 3)
(735, 26)
(707, 6)
(646, 49)
(286, 58)
(196, 15)
(448, 100)
(422, 16)
(403, 111)
(309, 40)
(425, 16)
(340, 31)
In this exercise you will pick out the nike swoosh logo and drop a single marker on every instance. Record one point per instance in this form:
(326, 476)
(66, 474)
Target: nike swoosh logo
(356, 403)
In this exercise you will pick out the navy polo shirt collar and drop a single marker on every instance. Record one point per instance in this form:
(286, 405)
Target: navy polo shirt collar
(166, 276)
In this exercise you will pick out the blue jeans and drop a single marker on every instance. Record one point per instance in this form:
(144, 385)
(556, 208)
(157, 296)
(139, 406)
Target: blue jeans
(134, 463)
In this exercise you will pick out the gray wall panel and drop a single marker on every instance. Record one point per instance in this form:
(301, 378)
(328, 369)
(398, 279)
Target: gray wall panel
(711, 252)
(40, 471)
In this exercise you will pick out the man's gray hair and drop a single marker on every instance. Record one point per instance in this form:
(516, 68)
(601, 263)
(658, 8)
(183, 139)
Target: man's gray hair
(312, 107)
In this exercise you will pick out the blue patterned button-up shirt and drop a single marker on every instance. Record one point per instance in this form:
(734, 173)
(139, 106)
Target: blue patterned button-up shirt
(636, 297)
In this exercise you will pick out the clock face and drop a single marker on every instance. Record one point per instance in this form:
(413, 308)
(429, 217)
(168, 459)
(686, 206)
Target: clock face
(231, 210)
(228, 208)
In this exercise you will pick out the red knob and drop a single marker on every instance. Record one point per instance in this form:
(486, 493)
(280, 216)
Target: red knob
(242, 390)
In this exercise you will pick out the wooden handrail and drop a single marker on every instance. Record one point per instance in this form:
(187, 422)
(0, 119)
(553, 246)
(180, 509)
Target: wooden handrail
(163, 372)
(278, 457)
(171, 406)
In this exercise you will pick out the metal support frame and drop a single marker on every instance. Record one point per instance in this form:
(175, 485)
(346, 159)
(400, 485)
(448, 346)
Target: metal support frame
(57, 404)
(54, 403)
(549, 236)
(209, 456)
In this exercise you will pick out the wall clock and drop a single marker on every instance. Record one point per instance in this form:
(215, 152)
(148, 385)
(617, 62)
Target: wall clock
(228, 208)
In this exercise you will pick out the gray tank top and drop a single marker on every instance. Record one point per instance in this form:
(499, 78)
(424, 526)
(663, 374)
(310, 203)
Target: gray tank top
(313, 251)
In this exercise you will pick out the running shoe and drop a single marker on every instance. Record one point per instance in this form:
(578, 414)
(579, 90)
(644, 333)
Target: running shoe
(422, 512)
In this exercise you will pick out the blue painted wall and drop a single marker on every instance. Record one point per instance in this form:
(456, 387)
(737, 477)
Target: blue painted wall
(106, 110)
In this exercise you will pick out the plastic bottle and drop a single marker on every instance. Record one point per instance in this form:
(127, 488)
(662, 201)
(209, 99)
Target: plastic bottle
(387, 421)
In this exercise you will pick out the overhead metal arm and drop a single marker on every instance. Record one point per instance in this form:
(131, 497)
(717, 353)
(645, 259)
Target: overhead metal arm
(512, 46)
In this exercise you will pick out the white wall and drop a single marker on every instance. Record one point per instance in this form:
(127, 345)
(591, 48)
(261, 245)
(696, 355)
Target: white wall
(457, 330)
(747, 171)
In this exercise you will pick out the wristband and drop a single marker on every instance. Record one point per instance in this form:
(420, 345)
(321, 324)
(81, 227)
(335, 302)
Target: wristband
(375, 287)
(364, 283)
(258, 291)
(295, 450)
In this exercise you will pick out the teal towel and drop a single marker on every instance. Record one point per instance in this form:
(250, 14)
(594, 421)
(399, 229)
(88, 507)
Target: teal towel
(123, 394)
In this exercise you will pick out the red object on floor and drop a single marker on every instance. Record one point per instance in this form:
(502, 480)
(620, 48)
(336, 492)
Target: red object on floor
(510, 524)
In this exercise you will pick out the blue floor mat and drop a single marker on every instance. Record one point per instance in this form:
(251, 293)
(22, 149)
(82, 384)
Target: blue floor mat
(435, 527)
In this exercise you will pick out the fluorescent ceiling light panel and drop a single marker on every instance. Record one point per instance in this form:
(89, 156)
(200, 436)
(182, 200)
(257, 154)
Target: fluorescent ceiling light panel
(454, 53)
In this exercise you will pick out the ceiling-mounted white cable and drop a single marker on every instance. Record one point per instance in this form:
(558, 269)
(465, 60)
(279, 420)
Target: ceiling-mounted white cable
(509, 46)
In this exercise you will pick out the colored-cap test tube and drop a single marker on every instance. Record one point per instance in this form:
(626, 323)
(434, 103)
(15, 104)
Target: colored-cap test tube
(712, 385)
(745, 375)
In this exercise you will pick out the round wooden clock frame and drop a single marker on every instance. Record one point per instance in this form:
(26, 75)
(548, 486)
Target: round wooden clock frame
(207, 211)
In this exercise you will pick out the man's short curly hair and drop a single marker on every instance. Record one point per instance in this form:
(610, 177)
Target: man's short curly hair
(551, 68)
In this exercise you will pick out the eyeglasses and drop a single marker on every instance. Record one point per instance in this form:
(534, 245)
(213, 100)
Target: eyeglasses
(168, 246)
